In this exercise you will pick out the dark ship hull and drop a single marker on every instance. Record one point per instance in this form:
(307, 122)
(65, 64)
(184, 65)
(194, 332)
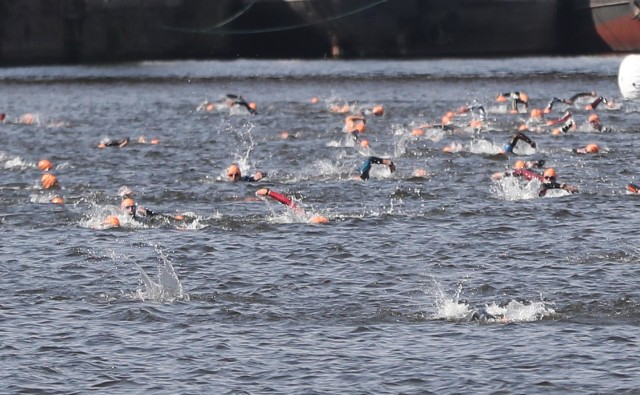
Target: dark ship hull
(422, 28)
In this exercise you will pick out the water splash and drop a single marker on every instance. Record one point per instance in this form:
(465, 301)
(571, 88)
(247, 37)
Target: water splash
(452, 308)
(168, 287)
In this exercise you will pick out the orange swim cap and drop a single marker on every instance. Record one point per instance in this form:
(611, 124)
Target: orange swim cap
(314, 100)
(364, 143)
(417, 132)
(210, 107)
(155, 141)
(360, 127)
(594, 118)
(475, 123)
(536, 113)
(522, 127)
(49, 181)
(501, 98)
(128, 202)
(378, 110)
(445, 120)
(592, 148)
(550, 172)
(319, 219)
(179, 217)
(253, 106)
(112, 221)
(57, 200)
(524, 97)
(519, 164)
(45, 165)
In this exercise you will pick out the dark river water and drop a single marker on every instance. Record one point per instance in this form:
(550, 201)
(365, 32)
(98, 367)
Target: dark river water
(243, 295)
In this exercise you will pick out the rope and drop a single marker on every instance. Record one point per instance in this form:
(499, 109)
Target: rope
(216, 29)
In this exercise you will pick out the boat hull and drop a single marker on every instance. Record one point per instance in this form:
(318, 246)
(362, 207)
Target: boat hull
(602, 26)
(370, 28)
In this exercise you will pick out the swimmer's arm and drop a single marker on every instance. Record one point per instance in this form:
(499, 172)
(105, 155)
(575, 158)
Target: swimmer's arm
(580, 95)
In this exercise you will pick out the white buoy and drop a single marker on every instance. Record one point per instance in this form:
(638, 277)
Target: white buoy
(629, 77)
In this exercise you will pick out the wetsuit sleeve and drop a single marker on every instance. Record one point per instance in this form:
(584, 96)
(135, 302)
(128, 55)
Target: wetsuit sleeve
(579, 95)
(281, 198)
(366, 166)
(247, 178)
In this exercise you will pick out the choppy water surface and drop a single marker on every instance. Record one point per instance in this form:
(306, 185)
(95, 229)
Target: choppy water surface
(244, 296)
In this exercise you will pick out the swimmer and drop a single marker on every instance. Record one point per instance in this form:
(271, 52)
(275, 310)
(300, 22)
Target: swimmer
(49, 181)
(234, 174)
(633, 188)
(128, 206)
(594, 122)
(111, 221)
(508, 148)
(569, 101)
(57, 200)
(235, 100)
(355, 125)
(206, 106)
(521, 169)
(549, 182)
(45, 165)
(113, 143)
(316, 219)
(378, 110)
(366, 166)
(566, 121)
(587, 149)
(516, 98)
(593, 105)
(482, 315)
(470, 109)
(3, 117)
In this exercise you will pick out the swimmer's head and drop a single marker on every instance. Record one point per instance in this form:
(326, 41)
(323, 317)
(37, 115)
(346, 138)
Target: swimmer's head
(154, 141)
(522, 128)
(128, 206)
(592, 148)
(253, 106)
(594, 118)
(210, 107)
(45, 165)
(233, 173)
(417, 132)
(536, 113)
(524, 97)
(420, 172)
(549, 174)
(57, 200)
(445, 120)
(314, 100)
(112, 222)
(28, 119)
(475, 123)
(364, 143)
(49, 181)
(378, 110)
(519, 164)
(360, 127)
(319, 219)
